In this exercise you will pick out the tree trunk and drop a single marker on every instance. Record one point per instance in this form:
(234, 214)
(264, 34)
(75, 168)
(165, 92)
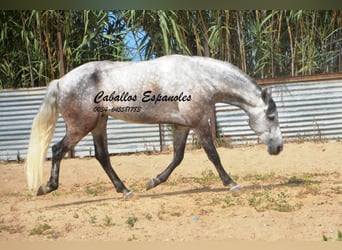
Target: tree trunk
(27, 41)
(292, 49)
(228, 45)
(241, 41)
(60, 54)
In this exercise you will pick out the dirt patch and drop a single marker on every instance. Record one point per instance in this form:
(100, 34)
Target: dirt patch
(294, 196)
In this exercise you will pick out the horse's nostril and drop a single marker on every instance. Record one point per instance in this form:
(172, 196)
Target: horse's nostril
(279, 148)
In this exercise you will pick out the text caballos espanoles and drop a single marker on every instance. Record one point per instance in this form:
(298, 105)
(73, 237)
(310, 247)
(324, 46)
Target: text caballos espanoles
(147, 96)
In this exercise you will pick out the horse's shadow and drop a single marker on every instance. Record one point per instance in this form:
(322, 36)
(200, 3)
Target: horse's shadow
(181, 192)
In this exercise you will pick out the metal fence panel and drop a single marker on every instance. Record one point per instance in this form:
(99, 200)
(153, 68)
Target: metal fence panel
(307, 110)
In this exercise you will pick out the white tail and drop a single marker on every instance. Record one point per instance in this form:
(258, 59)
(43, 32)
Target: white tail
(43, 127)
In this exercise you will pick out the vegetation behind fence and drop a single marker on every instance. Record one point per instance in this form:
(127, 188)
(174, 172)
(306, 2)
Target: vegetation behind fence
(37, 46)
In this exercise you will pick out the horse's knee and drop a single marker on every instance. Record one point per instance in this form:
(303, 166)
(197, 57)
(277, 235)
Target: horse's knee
(101, 157)
(178, 159)
(59, 150)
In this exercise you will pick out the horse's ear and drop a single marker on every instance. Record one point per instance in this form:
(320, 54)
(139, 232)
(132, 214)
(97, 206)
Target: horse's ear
(265, 95)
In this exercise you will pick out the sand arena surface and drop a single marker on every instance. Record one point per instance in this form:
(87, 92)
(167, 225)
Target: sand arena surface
(295, 196)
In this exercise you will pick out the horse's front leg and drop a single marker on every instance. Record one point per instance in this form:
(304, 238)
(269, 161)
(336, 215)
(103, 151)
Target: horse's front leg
(204, 135)
(102, 155)
(179, 140)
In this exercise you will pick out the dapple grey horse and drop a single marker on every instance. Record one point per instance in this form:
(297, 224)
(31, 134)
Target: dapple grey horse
(178, 90)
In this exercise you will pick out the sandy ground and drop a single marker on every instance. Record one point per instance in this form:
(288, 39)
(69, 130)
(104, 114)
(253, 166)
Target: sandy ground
(295, 196)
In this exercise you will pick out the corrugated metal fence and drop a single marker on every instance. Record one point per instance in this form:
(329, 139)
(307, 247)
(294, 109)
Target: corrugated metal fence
(307, 111)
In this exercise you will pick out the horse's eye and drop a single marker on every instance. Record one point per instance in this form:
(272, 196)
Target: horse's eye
(271, 117)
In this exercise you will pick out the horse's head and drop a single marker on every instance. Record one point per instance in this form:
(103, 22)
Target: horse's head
(264, 122)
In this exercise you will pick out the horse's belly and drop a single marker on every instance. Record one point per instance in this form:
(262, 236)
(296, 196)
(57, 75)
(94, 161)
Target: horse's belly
(150, 117)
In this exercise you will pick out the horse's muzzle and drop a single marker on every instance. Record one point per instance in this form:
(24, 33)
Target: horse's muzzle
(275, 150)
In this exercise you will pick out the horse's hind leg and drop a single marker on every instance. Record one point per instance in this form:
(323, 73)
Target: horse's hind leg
(204, 136)
(58, 152)
(179, 140)
(102, 155)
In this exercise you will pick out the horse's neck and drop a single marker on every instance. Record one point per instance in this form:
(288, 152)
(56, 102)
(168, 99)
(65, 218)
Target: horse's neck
(243, 94)
(230, 85)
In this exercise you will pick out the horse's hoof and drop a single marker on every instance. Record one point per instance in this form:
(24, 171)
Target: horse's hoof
(41, 191)
(235, 188)
(128, 195)
(151, 184)
(45, 189)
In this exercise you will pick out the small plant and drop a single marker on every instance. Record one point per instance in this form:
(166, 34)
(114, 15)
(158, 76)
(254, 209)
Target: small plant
(173, 183)
(228, 201)
(337, 190)
(91, 191)
(301, 138)
(148, 216)
(28, 196)
(137, 187)
(55, 193)
(131, 221)
(254, 202)
(19, 158)
(208, 177)
(215, 200)
(281, 204)
(92, 219)
(262, 201)
(260, 177)
(162, 212)
(339, 236)
(205, 211)
(108, 221)
(133, 237)
(41, 229)
(12, 229)
(313, 188)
